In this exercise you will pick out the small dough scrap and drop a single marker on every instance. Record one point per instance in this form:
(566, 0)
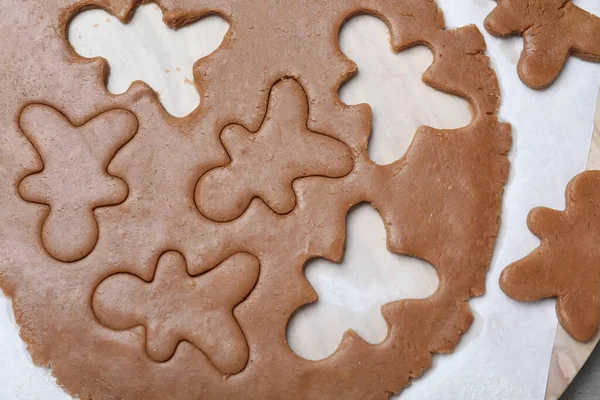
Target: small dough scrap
(551, 29)
(567, 263)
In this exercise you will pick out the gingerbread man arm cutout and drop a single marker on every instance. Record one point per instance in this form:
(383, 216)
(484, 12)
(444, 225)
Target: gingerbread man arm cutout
(264, 164)
(176, 306)
(74, 180)
(551, 29)
(567, 263)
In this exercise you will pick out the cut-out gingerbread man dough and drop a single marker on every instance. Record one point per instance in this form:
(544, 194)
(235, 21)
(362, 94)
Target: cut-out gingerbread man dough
(74, 180)
(371, 275)
(285, 145)
(551, 29)
(567, 263)
(176, 306)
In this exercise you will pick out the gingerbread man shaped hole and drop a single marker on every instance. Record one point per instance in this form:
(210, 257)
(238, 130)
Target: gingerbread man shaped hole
(146, 49)
(351, 293)
(398, 102)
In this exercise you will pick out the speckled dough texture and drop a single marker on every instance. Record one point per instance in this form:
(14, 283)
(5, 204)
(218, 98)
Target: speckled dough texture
(552, 30)
(566, 265)
(116, 313)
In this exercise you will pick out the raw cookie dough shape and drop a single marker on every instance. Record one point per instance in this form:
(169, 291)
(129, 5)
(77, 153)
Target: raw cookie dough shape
(176, 306)
(265, 163)
(74, 180)
(440, 202)
(552, 30)
(567, 263)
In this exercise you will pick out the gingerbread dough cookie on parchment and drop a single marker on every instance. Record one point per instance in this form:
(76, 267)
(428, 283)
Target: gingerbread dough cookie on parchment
(552, 30)
(103, 315)
(567, 263)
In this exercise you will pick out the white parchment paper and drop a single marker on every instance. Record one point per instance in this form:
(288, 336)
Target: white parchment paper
(505, 354)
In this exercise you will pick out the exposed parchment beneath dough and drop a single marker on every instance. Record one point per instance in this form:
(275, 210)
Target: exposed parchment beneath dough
(440, 202)
(74, 179)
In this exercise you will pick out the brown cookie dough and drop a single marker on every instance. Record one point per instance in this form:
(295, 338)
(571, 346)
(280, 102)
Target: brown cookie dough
(284, 144)
(567, 263)
(74, 179)
(176, 306)
(440, 202)
(551, 29)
